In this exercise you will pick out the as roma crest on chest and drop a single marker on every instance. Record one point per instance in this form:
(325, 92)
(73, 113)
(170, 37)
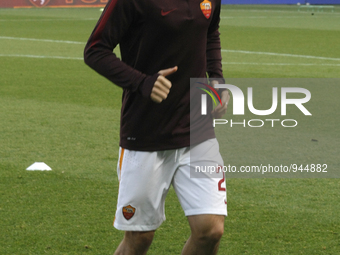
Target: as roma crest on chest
(128, 212)
(206, 8)
(39, 3)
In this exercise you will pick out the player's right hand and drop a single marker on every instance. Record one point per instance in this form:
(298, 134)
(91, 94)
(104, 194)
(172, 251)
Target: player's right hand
(162, 85)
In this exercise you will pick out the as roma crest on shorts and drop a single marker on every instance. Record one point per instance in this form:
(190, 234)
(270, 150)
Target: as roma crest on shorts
(206, 8)
(39, 3)
(128, 212)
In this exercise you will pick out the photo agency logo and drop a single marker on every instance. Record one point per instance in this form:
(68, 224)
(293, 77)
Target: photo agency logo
(212, 93)
(298, 97)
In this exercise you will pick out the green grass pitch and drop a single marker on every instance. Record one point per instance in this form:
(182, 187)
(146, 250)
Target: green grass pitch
(56, 110)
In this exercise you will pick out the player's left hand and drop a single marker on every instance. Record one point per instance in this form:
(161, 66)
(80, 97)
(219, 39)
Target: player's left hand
(220, 110)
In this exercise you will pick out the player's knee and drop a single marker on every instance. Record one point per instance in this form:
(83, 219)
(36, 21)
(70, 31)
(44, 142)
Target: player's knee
(211, 235)
(140, 239)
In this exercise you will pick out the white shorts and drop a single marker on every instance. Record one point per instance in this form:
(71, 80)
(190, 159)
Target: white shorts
(145, 179)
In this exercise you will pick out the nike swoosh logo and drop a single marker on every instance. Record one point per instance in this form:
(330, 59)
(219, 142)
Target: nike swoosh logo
(167, 12)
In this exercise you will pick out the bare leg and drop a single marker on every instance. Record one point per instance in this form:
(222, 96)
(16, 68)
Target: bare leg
(206, 232)
(135, 243)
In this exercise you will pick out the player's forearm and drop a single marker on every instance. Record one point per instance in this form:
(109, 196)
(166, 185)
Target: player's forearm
(111, 67)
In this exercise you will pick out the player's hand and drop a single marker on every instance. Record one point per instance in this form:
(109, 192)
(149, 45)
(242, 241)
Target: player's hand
(220, 110)
(162, 85)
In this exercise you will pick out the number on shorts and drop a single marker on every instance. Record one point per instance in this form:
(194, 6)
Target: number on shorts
(220, 188)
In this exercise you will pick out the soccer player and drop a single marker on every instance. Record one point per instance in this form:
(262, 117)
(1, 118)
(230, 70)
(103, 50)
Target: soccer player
(163, 44)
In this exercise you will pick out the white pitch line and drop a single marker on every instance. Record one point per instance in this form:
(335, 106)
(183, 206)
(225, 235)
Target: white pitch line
(39, 56)
(262, 17)
(223, 50)
(232, 51)
(280, 54)
(225, 63)
(48, 19)
(39, 40)
(277, 64)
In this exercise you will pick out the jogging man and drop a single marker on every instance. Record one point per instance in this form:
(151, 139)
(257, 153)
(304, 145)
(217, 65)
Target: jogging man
(163, 44)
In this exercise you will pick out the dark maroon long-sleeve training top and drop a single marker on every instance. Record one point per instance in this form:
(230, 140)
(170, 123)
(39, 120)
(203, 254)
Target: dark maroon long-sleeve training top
(155, 35)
